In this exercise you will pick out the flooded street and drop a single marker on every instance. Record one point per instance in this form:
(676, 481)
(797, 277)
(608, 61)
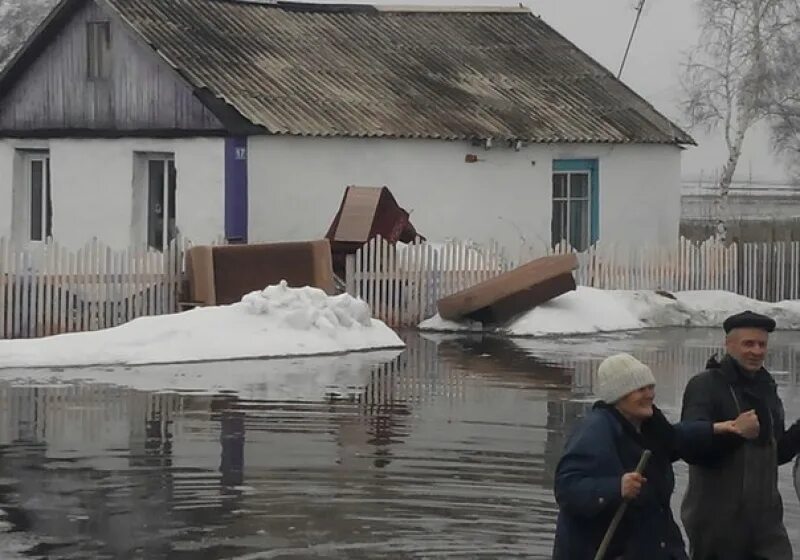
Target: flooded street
(446, 451)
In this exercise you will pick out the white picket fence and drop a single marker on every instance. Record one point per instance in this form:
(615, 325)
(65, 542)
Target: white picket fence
(402, 284)
(763, 271)
(48, 289)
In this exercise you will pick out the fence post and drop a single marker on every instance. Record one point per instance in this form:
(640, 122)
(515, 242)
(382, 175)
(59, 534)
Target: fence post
(391, 276)
(380, 267)
(349, 272)
(4, 252)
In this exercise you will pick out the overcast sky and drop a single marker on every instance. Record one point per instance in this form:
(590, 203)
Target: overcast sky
(666, 31)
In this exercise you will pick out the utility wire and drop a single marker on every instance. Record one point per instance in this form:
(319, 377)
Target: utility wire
(630, 39)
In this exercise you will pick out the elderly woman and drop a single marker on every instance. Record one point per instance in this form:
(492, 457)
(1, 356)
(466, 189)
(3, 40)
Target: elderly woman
(597, 471)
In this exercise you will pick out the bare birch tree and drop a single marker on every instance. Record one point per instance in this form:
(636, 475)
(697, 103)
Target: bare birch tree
(784, 100)
(729, 76)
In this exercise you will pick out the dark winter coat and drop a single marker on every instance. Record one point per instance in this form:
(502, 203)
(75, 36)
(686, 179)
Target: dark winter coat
(732, 508)
(588, 486)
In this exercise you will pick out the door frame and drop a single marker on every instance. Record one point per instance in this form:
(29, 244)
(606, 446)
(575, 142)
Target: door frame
(141, 197)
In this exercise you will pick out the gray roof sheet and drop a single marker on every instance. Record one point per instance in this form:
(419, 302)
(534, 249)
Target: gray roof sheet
(367, 71)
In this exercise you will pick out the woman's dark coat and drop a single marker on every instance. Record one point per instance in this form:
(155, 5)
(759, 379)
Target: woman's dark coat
(588, 486)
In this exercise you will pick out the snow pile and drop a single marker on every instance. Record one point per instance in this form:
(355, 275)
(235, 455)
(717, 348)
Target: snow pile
(308, 309)
(589, 310)
(710, 308)
(278, 321)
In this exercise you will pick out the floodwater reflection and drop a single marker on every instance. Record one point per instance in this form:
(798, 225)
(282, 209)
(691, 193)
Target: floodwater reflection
(444, 450)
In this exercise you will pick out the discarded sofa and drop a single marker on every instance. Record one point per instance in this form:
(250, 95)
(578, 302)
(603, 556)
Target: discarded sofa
(364, 213)
(219, 275)
(500, 298)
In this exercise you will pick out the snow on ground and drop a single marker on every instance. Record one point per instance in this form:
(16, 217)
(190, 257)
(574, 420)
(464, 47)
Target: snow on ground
(278, 321)
(590, 310)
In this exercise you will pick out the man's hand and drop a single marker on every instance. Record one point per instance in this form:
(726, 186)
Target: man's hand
(632, 483)
(746, 425)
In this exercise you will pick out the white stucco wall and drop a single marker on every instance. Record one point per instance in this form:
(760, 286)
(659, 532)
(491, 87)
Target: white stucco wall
(296, 185)
(93, 187)
(640, 194)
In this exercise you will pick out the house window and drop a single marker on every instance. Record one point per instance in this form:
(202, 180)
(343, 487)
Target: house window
(161, 179)
(575, 203)
(37, 195)
(98, 50)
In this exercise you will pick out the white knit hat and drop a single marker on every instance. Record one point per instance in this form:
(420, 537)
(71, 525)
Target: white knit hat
(619, 375)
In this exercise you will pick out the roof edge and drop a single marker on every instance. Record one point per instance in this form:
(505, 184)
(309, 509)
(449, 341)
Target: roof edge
(540, 140)
(304, 6)
(478, 9)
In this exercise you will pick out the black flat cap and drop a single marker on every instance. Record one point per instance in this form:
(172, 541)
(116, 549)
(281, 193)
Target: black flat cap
(748, 319)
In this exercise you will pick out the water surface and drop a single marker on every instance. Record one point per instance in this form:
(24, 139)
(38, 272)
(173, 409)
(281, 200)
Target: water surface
(446, 451)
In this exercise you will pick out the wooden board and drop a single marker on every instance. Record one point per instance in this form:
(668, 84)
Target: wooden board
(200, 272)
(358, 213)
(513, 292)
(223, 274)
(506, 308)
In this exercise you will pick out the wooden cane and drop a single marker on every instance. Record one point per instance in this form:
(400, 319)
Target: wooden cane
(601, 552)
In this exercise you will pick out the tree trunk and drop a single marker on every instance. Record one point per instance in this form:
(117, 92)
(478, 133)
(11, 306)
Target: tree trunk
(725, 180)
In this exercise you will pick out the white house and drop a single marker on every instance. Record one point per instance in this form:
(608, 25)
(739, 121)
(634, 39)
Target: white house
(129, 120)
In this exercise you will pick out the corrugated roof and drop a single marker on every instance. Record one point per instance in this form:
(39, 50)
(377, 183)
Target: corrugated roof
(332, 70)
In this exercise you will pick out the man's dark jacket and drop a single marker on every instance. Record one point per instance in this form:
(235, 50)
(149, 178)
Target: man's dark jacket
(732, 508)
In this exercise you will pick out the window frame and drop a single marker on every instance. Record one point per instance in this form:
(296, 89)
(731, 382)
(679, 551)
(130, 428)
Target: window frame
(29, 158)
(569, 168)
(142, 209)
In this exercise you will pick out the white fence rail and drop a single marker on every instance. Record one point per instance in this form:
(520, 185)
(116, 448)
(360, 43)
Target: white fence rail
(402, 284)
(48, 289)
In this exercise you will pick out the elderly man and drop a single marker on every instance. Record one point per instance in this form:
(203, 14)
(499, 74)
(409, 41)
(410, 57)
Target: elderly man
(732, 509)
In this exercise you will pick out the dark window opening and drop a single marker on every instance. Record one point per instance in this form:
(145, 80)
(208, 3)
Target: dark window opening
(98, 50)
(40, 197)
(161, 187)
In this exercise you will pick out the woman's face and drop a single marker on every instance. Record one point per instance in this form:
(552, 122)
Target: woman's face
(638, 405)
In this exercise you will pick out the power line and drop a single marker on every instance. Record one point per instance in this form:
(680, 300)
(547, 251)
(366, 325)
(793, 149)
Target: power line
(630, 39)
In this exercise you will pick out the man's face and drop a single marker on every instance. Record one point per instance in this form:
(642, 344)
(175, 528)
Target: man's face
(748, 347)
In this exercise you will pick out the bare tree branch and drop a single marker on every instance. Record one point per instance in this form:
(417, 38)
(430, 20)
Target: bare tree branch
(742, 71)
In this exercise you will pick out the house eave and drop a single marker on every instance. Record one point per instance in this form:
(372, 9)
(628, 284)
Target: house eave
(246, 129)
(112, 134)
